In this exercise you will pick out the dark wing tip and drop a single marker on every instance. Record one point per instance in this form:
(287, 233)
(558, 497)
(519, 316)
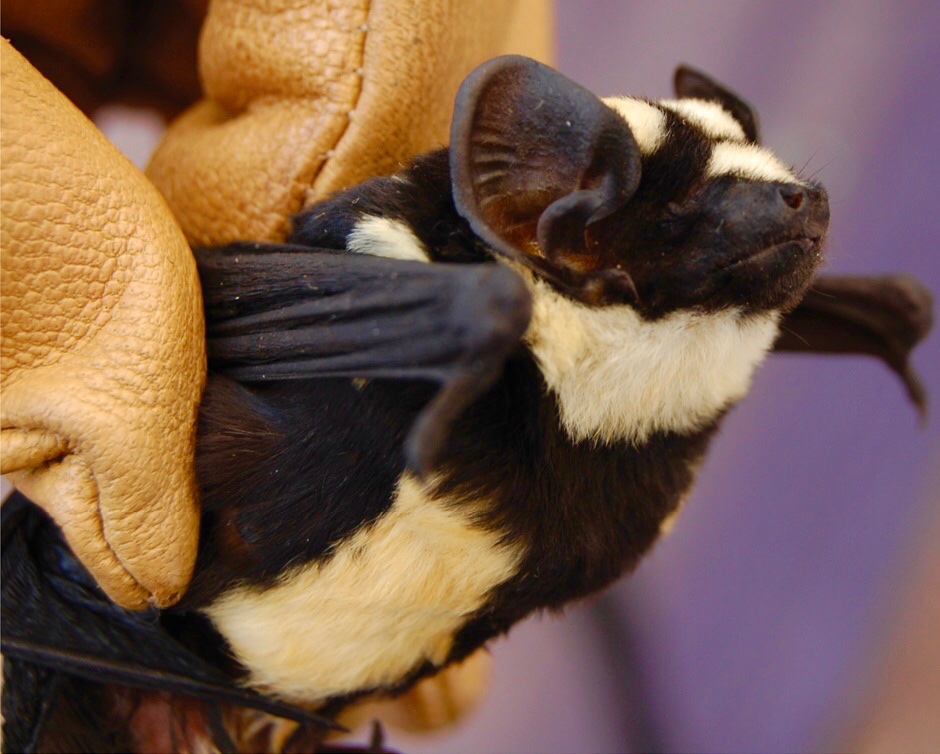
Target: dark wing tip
(497, 309)
(884, 316)
(915, 300)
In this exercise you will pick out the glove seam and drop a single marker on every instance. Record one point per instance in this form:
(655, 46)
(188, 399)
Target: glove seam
(309, 194)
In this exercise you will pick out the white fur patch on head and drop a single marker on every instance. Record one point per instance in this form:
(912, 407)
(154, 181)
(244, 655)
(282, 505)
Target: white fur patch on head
(730, 154)
(749, 161)
(619, 377)
(384, 237)
(646, 121)
(390, 597)
(710, 117)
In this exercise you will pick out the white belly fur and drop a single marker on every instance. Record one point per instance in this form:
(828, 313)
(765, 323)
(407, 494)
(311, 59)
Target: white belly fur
(389, 598)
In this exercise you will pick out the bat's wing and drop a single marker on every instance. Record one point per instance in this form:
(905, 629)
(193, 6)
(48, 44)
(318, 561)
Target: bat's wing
(279, 312)
(56, 622)
(880, 316)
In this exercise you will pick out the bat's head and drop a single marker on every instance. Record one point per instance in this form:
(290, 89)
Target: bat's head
(664, 205)
(661, 240)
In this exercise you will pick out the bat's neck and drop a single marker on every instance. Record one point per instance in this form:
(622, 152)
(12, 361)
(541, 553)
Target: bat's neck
(617, 376)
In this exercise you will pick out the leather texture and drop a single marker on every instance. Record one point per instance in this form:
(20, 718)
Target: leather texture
(103, 356)
(303, 99)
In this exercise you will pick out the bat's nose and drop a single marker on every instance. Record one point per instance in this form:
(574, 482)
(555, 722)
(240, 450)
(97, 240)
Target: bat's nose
(793, 196)
(805, 206)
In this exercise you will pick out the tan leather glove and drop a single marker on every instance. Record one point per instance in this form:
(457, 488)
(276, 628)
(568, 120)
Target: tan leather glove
(303, 99)
(102, 345)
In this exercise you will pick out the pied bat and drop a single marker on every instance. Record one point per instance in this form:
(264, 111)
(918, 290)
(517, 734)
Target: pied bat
(468, 391)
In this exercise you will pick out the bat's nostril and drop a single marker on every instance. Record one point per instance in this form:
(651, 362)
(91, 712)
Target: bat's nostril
(792, 196)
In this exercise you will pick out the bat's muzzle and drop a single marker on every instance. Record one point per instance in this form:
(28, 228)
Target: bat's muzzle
(760, 215)
(764, 245)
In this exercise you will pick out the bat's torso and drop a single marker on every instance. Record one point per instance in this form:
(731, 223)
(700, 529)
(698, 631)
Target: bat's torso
(353, 574)
(518, 518)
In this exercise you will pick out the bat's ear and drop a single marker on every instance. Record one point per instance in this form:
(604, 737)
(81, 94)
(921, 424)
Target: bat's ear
(535, 161)
(690, 83)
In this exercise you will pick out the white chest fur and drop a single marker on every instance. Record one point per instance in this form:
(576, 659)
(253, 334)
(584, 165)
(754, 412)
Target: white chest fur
(618, 377)
(389, 598)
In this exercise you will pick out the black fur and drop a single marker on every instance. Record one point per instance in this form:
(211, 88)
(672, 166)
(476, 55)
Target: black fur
(587, 512)
(670, 235)
(303, 465)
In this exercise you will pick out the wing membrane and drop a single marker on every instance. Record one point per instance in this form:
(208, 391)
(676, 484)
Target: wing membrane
(882, 316)
(279, 311)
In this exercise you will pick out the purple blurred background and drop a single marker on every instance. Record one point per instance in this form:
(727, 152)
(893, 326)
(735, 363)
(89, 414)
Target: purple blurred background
(759, 624)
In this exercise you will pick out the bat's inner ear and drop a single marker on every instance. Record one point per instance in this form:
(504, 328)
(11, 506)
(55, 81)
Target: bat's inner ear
(690, 83)
(536, 160)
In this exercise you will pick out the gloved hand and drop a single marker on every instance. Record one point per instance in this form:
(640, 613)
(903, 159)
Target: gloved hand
(103, 350)
(102, 333)
(302, 99)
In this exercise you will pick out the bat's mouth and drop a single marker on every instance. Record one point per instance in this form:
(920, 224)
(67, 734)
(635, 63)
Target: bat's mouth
(777, 253)
(771, 276)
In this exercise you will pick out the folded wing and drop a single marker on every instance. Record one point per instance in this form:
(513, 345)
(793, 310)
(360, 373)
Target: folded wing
(279, 312)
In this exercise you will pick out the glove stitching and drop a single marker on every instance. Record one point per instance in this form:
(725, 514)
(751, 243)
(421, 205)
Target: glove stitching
(309, 195)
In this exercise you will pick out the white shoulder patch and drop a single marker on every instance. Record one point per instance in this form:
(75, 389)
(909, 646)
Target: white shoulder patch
(710, 117)
(619, 377)
(646, 121)
(384, 237)
(390, 597)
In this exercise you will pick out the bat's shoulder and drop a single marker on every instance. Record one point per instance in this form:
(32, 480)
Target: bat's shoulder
(408, 215)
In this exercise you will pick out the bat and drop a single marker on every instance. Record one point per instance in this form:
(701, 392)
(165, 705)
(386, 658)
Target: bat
(456, 395)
